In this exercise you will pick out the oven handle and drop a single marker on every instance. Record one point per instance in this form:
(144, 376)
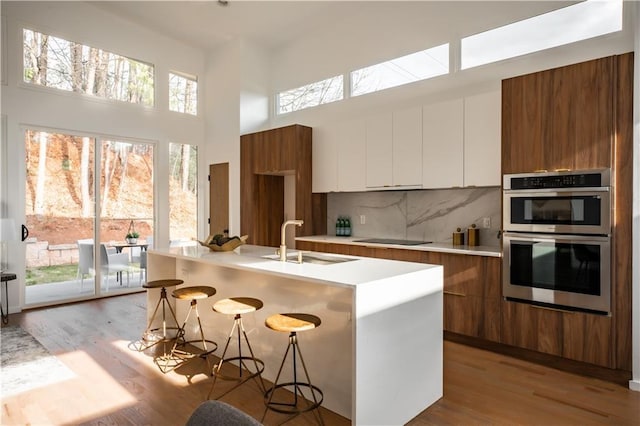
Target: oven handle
(555, 237)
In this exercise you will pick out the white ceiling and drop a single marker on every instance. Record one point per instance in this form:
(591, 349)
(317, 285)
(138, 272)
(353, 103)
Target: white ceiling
(273, 24)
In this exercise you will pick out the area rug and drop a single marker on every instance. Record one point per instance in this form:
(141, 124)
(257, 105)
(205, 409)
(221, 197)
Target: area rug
(26, 364)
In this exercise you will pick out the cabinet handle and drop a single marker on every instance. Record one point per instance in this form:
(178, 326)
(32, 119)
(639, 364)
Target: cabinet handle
(540, 171)
(453, 293)
(562, 170)
(552, 309)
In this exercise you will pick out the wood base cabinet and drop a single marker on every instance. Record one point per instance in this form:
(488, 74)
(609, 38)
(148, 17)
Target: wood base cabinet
(472, 293)
(572, 335)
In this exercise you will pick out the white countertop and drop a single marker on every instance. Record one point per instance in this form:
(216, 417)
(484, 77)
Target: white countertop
(357, 271)
(436, 246)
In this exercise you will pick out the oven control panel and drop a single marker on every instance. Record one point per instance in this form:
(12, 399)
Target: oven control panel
(570, 179)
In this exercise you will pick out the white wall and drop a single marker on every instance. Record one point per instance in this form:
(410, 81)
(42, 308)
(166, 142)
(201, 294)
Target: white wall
(26, 106)
(237, 98)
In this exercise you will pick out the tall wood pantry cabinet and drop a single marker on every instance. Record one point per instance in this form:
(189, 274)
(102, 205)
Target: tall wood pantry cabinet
(576, 117)
(267, 158)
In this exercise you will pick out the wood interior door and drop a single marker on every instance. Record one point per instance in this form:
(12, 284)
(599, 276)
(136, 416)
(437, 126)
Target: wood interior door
(218, 198)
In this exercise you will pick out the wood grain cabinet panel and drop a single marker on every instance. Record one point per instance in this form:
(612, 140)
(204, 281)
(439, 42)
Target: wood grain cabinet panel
(572, 335)
(469, 275)
(579, 117)
(581, 134)
(623, 220)
(266, 157)
(525, 113)
(559, 119)
(587, 338)
(472, 295)
(530, 327)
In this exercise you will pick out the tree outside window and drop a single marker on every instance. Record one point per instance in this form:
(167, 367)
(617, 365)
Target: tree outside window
(183, 192)
(183, 94)
(66, 65)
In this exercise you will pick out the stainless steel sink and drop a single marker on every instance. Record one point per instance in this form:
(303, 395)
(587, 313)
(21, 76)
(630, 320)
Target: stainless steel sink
(315, 258)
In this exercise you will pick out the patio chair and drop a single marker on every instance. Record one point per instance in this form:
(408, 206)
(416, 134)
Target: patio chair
(85, 260)
(140, 256)
(114, 263)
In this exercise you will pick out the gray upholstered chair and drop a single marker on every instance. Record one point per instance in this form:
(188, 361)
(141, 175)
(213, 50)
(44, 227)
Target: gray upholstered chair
(140, 256)
(213, 412)
(113, 263)
(85, 260)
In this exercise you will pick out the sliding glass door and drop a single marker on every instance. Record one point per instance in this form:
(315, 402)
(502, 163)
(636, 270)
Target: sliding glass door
(126, 213)
(66, 259)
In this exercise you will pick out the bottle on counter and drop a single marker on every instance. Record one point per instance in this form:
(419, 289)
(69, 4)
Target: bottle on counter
(339, 227)
(347, 226)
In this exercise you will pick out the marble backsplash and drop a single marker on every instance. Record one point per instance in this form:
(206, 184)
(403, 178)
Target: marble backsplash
(429, 215)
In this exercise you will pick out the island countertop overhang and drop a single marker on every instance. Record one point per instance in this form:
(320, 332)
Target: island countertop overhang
(357, 272)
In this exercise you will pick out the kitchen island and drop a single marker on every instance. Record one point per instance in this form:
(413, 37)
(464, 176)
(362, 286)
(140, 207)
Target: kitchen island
(377, 355)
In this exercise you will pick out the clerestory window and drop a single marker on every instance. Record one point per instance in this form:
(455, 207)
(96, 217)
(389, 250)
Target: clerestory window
(310, 95)
(406, 69)
(66, 65)
(183, 93)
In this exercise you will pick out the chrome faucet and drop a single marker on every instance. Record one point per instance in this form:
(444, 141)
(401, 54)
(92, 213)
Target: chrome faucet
(283, 244)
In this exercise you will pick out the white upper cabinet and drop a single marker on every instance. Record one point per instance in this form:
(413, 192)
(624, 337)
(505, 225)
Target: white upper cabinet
(442, 149)
(482, 136)
(394, 149)
(407, 147)
(379, 150)
(454, 143)
(351, 163)
(338, 160)
(324, 159)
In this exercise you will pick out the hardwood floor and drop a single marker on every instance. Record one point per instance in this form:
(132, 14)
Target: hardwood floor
(115, 385)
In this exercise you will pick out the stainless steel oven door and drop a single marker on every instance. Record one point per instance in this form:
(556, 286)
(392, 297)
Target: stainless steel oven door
(566, 270)
(578, 211)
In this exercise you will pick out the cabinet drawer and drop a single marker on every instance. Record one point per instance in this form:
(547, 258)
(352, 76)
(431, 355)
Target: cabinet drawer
(587, 338)
(472, 316)
(529, 327)
(469, 275)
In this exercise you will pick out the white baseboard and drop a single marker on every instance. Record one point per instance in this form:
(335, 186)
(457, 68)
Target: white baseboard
(634, 385)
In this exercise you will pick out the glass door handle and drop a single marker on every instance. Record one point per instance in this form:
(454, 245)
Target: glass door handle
(25, 232)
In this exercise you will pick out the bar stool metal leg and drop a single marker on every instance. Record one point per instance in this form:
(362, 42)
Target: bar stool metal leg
(258, 364)
(237, 306)
(184, 350)
(292, 323)
(152, 336)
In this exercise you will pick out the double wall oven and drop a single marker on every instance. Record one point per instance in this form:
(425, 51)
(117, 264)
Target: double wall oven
(557, 239)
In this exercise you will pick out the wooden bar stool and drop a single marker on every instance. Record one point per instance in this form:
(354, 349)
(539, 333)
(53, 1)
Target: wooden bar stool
(185, 349)
(293, 323)
(151, 336)
(237, 306)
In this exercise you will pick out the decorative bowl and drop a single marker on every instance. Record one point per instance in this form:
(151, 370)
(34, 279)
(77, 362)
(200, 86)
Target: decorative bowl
(230, 245)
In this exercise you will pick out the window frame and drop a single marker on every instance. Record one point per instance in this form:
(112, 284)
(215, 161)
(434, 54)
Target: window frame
(185, 76)
(83, 95)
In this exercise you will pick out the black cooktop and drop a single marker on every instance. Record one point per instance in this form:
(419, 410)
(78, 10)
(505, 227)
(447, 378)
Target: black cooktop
(392, 241)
